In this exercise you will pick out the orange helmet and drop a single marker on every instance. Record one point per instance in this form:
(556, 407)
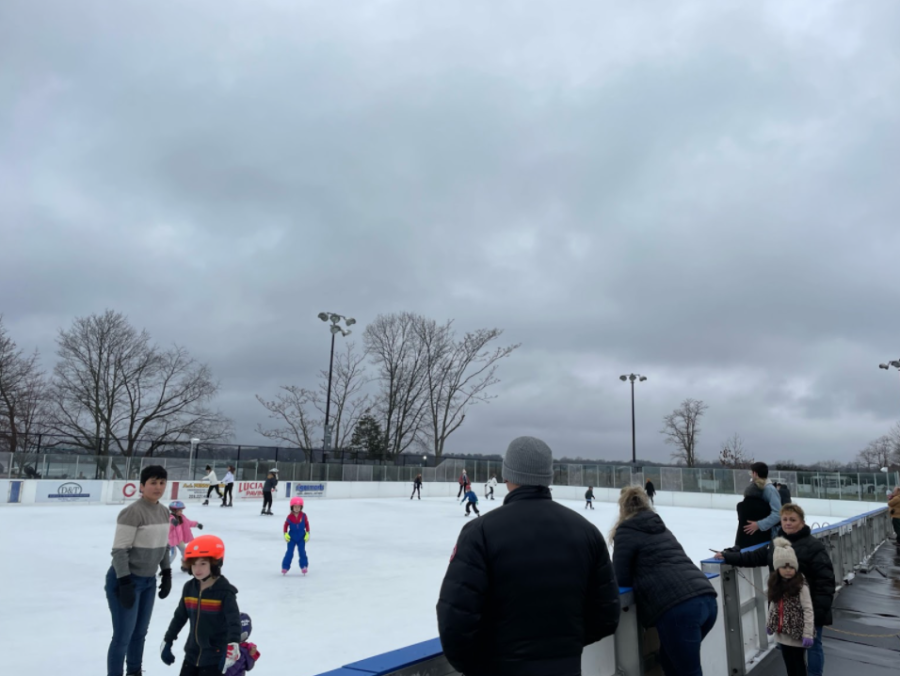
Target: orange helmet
(205, 546)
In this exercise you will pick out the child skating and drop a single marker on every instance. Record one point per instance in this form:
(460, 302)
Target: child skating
(270, 485)
(213, 642)
(790, 609)
(489, 487)
(179, 529)
(589, 497)
(249, 651)
(471, 501)
(296, 534)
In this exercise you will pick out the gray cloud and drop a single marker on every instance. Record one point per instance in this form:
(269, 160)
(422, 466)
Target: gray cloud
(702, 194)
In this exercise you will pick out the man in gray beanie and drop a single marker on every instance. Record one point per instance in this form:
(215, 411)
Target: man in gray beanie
(529, 584)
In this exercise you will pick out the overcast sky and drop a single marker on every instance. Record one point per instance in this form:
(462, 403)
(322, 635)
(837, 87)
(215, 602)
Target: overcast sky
(704, 193)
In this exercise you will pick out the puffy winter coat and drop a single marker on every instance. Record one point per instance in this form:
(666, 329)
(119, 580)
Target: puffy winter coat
(754, 507)
(785, 494)
(528, 586)
(246, 662)
(814, 562)
(180, 532)
(215, 621)
(270, 484)
(647, 556)
(894, 506)
(650, 489)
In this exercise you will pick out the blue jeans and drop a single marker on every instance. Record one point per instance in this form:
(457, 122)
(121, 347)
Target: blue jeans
(815, 656)
(129, 624)
(681, 629)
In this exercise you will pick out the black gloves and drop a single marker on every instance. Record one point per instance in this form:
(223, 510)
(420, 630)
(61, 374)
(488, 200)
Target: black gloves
(200, 526)
(165, 652)
(125, 592)
(165, 585)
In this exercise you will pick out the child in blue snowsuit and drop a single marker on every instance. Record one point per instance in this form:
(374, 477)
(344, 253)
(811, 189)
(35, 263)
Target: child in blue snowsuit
(296, 534)
(472, 501)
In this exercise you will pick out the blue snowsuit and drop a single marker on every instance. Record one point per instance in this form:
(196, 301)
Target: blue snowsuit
(298, 527)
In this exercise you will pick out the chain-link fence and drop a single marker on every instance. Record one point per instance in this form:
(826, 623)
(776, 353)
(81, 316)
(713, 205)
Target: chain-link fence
(866, 486)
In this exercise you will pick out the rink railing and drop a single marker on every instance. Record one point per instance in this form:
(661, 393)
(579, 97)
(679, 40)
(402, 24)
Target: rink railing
(861, 486)
(632, 650)
(850, 543)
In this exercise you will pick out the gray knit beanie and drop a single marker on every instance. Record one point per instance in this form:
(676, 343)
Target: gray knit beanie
(528, 462)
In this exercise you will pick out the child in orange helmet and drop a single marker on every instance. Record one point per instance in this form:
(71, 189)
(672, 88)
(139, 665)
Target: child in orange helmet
(212, 645)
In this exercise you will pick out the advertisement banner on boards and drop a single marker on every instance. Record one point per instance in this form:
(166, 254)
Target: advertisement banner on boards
(126, 490)
(69, 491)
(249, 489)
(190, 490)
(308, 489)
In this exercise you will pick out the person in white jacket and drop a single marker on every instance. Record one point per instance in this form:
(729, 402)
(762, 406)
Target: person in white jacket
(489, 487)
(229, 486)
(213, 484)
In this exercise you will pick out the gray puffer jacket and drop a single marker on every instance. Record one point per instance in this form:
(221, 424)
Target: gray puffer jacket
(647, 557)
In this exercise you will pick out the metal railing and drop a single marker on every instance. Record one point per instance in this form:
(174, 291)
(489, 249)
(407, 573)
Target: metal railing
(849, 543)
(736, 645)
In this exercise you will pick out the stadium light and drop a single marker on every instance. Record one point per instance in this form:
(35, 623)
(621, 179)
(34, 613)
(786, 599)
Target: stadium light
(335, 329)
(632, 377)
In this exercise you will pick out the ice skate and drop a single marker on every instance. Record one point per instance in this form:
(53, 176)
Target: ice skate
(284, 571)
(206, 502)
(304, 570)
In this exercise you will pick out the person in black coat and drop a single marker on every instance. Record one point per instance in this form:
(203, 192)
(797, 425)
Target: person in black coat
(670, 592)
(650, 489)
(784, 492)
(269, 486)
(529, 584)
(755, 507)
(417, 487)
(815, 564)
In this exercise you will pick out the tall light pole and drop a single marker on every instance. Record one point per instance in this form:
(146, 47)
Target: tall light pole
(895, 363)
(632, 377)
(336, 328)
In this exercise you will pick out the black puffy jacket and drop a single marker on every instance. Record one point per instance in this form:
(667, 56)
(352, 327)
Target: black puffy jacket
(647, 556)
(528, 586)
(814, 562)
(215, 621)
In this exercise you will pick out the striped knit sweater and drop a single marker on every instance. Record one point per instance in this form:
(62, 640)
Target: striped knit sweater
(142, 536)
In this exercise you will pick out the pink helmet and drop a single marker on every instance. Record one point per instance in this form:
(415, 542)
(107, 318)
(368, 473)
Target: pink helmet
(296, 501)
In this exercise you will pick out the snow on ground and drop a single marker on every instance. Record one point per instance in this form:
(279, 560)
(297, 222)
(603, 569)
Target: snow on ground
(375, 571)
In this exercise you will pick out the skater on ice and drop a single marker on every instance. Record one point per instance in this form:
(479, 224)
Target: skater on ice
(209, 603)
(213, 484)
(489, 487)
(296, 534)
(589, 498)
(228, 480)
(471, 501)
(417, 487)
(650, 489)
(249, 651)
(179, 529)
(268, 487)
(463, 484)
(139, 549)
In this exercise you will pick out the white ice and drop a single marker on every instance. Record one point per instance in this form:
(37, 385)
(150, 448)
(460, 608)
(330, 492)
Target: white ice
(375, 571)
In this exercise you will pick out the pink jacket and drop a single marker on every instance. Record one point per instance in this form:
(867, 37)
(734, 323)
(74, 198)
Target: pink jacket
(180, 533)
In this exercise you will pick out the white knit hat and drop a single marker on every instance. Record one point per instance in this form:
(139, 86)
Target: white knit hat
(783, 554)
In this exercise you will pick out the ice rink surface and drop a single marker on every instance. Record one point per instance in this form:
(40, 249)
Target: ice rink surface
(375, 571)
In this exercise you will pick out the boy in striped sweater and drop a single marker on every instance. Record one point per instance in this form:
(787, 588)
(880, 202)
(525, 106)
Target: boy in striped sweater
(139, 549)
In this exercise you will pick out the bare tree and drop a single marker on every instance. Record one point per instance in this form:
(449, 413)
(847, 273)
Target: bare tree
(348, 403)
(113, 389)
(458, 374)
(681, 430)
(22, 395)
(734, 454)
(392, 344)
(295, 408)
(878, 453)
